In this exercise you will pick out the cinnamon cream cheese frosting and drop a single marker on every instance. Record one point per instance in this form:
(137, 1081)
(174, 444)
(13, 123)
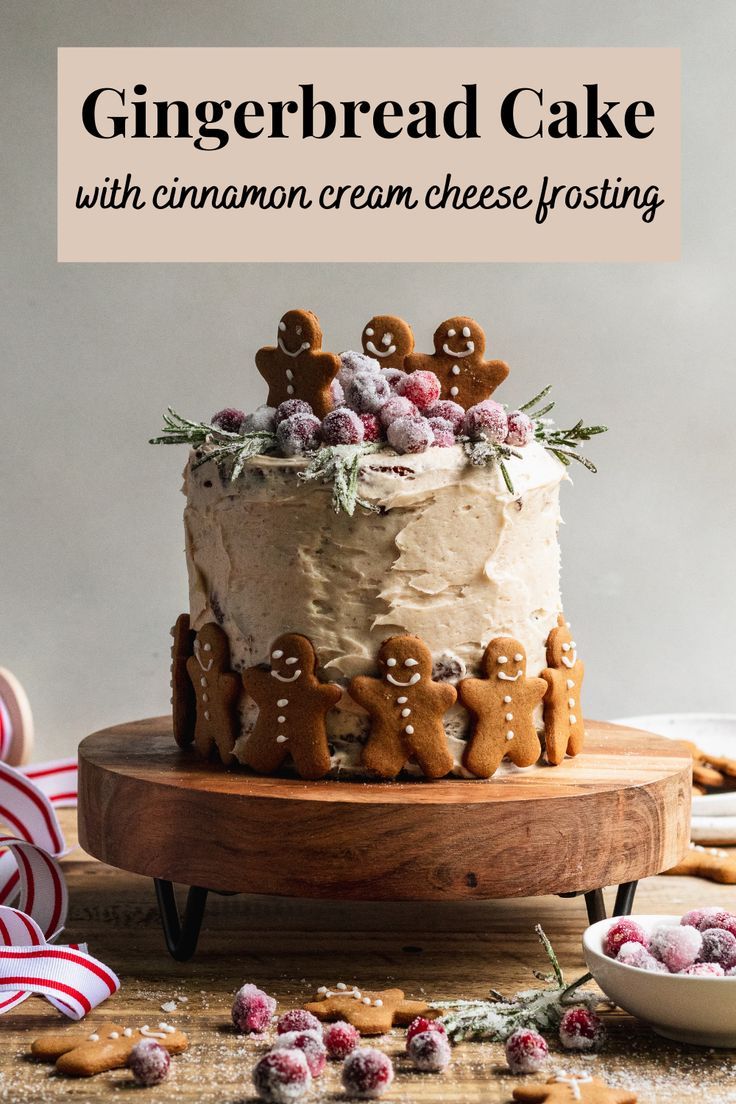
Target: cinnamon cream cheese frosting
(450, 555)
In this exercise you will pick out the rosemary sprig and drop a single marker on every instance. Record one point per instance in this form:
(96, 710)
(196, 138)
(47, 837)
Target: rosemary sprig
(230, 448)
(498, 1017)
(340, 466)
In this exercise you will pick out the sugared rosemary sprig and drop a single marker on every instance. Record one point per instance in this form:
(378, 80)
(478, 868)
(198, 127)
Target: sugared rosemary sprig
(562, 443)
(483, 453)
(340, 466)
(232, 449)
(497, 1018)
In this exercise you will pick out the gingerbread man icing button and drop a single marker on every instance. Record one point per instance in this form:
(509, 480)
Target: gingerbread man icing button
(457, 361)
(292, 706)
(297, 367)
(389, 339)
(216, 690)
(564, 728)
(503, 703)
(406, 708)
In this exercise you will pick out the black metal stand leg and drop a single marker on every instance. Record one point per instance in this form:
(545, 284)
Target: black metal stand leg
(624, 898)
(595, 905)
(181, 935)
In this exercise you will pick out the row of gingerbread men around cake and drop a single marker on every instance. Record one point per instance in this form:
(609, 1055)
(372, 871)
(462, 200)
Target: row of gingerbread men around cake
(297, 367)
(405, 704)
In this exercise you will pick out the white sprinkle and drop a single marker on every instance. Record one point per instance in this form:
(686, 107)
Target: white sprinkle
(456, 369)
(206, 714)
(128, 1032)
(391, 662)
(570, 684)
(322, 989)
(454, 391)
(366, 1000)
(510, 734)
(94, 1038)
(281, 739)
(409, 730)
(282, 702)
(502, 659)
(203, 681)
(406, 712)
(509, 716)
(378, 1003)
(507, 698)
(341, 985)
(290, 390)
(281, 720)
(402, 700)
(277, 654)
(571, 702)
(573, 718)
(114, 1034)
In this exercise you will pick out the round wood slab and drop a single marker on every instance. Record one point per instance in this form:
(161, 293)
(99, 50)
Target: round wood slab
(618, 812)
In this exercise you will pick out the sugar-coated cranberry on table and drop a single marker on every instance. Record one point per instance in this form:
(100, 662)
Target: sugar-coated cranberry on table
(297, 1019)
(421, 1024)
(429, 1051)
(281, 1076)
(149, 1062)
(252, 1009)
(581, 1029)
(310, 1043)
(341, 1039)
(367, 1073)
(526, 1051)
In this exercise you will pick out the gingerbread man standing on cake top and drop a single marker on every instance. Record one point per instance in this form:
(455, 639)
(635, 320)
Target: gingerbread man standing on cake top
(406, 709)
(217, 690)
(183, 698)
(457, 361)
(297, 367)
(388, 338)
(292, 705)
(564, 728)
(503, 703)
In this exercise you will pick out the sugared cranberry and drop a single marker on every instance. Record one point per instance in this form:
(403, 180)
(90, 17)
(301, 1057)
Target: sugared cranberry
(252, 1009)
(366, 392)
(702, 918)
(371, 427)
(281, 1076)
(291, 407)
(521, 429)
(421, 1024)
(450, 411)
(367, 1073)
(581, 1029)
(149, 1062)
(635, 954)
(444, 436)
(310, 1043)
(421, 388)
(342, 427)
(486, 421)
(299, 434)
(341, 1039)
(396, 407)
(429, 1051)
(297, 1019)
(719, 946)
(230, 419)
(703, 969)
(261, 420)
(526, 1051)
(678, 947)
(623, 931)
(410, 435)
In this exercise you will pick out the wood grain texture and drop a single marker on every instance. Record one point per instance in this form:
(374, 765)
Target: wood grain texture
(446, 949)
(618, 812)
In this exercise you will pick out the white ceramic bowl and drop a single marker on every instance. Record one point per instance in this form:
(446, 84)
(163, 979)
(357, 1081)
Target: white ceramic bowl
(700, 1010)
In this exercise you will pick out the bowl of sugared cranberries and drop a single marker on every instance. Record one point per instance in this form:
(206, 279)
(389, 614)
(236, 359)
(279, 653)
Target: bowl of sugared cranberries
(676, 973)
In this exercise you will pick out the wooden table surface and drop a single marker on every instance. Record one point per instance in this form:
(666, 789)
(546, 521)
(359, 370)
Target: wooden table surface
(290, 947)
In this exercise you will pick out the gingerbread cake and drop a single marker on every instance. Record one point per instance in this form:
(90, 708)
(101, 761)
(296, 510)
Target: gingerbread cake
(374, 566)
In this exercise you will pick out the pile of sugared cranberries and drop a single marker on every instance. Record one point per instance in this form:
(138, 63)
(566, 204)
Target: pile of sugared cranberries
(703, 944)
(375, 404)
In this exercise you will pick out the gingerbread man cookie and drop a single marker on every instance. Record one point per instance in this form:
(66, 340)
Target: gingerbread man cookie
(389, 339)
(503, 703)
(296, 367)
(406, 709)
(457, 361)
(707, 862)
(80, 1054)
(566, 1088)
(217, 690)
(372, 1012)
(564, 728)
(183, 698)
(292, 705)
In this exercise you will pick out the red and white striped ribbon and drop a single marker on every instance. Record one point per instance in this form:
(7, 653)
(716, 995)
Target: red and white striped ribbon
(31, 877)
(6, 731)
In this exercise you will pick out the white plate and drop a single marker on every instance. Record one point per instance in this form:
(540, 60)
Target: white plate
(714, 816)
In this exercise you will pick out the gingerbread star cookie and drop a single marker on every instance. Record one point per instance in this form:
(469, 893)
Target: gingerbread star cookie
(503, 704)
(297, 367)
(183, 698)
(457, 361)
(565, 1088)
(292, 705)
(217, 690)
(406, 709)
(373, 1012)
(80, 1054)
(564, 728)
(389, 339)
(707, 862)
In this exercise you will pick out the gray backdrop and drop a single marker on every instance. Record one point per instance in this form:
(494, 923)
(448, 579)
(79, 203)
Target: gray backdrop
(91, 539)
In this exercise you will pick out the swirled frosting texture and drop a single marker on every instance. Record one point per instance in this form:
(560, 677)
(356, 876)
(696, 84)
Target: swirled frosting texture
(451, 556)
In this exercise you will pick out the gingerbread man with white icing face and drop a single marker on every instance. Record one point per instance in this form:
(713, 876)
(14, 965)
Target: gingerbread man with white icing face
(297, 367)
(457, 361)
(564, 728)
(292, 705)
(503, 703)
(216, 690)
(389, 339)
(406, 709)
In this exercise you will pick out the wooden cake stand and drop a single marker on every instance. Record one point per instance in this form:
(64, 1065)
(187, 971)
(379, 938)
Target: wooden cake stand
(618, 812)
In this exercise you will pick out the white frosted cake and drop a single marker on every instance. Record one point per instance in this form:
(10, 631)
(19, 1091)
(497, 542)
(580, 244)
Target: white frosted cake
(370, 527)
